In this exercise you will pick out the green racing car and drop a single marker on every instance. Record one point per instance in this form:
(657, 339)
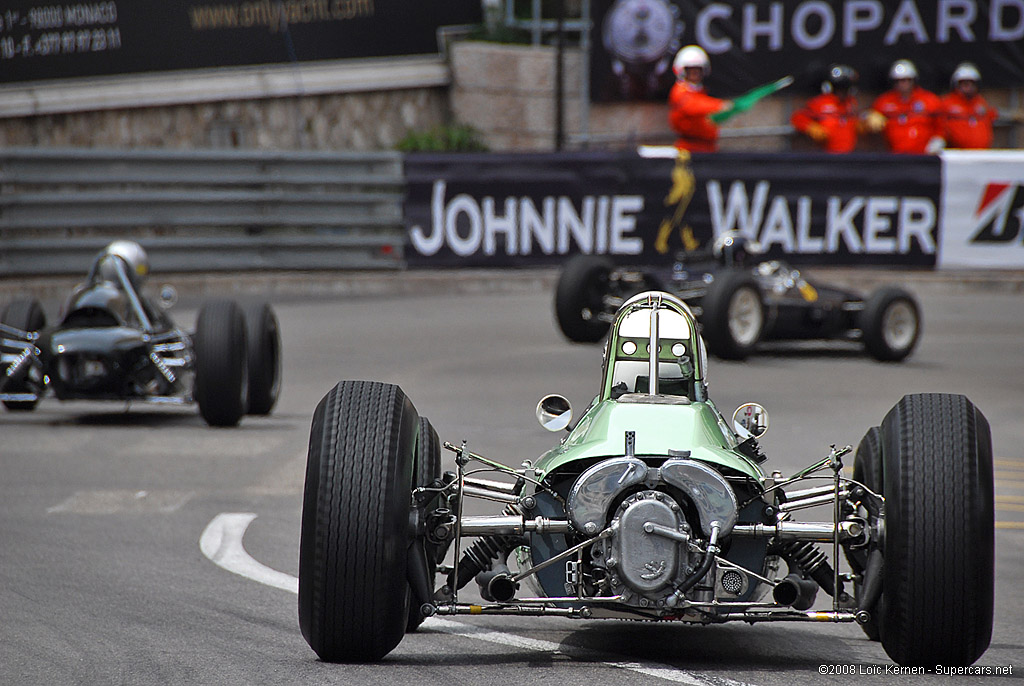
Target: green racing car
(651, 507)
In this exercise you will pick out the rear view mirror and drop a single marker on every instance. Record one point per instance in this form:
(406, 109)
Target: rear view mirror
(554, 412)
(750, 420)
(168, 297)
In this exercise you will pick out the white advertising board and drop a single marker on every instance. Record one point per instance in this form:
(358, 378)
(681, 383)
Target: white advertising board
(983, 209)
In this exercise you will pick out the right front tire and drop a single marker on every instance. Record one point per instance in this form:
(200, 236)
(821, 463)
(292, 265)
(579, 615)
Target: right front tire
(937, 590)
(354, 545)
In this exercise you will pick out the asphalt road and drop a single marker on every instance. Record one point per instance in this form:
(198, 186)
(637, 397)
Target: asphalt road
(103, 579)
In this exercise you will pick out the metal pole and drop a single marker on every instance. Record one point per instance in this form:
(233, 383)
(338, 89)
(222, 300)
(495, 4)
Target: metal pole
(560, 78)
(536, 22)
(585, 73)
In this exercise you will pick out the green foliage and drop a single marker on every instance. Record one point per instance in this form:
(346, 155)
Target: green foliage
(500, 34)
(456, 138)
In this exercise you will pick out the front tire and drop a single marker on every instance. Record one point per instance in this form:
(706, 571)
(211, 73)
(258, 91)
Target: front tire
(25, 314)
(263, 354)
(579, 298)
(734, 316)
(938, 579)
(353, 550)
(890, 324)
(221, 369)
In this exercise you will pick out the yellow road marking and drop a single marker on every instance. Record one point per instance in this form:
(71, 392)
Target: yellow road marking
(1010, 506)
(1010, 498)
(1012, 464)
(1009, 477)
(1010, 525)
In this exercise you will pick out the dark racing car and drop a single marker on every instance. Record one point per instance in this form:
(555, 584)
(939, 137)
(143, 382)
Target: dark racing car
(739, 305)
(111, 343)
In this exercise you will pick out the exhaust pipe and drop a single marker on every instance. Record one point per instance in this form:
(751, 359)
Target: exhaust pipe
(796, 592)
(496, 584)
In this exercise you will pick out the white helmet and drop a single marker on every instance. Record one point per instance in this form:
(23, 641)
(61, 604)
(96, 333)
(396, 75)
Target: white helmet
(133, 255)
(733, 249)
(691, 56)
(903, 69)
(965, 71)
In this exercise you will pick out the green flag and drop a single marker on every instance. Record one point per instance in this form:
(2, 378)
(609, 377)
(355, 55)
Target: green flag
(744, 102)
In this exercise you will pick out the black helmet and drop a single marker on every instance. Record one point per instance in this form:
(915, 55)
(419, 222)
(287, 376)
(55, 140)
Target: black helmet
(840, 78)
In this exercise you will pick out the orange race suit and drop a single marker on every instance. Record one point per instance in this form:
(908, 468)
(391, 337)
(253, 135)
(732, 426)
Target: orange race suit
(910, 122)
(688, 110)
(966, 122)
(830, 120)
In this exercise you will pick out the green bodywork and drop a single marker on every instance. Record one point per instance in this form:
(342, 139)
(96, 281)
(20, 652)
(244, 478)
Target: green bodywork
(679, 418)
(697, 427)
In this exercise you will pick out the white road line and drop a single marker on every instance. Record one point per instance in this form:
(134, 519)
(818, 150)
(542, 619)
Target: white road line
(221, 542)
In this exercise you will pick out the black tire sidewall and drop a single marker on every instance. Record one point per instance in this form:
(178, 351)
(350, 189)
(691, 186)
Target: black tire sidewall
(221, 363)
(715, 317)
(578, 284)
(872, 318)
(867, 469)
(428, 468)
(939, 559)
(353, 552)
(263, 352)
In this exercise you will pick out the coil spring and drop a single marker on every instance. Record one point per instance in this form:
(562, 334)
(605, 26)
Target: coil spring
(482, 552)
(804, 554)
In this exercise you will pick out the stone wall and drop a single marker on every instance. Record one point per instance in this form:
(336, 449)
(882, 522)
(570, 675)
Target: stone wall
(504, 91)
(342, 121)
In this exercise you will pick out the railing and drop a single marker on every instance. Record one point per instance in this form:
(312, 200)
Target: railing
(200, 210)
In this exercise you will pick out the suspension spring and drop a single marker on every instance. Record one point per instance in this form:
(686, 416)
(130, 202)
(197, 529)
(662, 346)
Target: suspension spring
(807, 558)
(483, 552)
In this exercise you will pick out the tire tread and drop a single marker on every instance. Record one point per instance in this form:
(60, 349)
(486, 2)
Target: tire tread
(354, 518)
(940, 529)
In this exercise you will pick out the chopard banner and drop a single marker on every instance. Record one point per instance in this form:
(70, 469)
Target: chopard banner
(41, 39)
(751, 43)
(518, 210)
(983, 209)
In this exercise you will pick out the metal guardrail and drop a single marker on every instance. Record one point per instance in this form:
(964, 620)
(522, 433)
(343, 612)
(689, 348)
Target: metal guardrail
(200, 210)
